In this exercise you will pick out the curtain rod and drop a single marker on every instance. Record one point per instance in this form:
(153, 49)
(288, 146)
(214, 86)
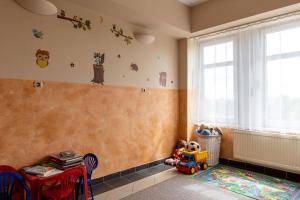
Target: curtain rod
(246, 25)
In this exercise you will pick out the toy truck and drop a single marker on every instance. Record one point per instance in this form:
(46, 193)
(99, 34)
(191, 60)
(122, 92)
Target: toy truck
(192, 162)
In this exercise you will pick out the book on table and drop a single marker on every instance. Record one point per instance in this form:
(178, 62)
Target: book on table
(66, 159)
(63, 167)
(42, 170)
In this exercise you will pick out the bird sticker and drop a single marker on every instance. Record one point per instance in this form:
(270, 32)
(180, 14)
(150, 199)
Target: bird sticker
(37, 34)
(42, 58)
(134, 67)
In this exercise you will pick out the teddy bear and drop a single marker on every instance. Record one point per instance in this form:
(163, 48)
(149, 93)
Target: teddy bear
(180, 146)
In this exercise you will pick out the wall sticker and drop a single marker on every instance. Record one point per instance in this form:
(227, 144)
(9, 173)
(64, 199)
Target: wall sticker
(37, 34)
(42, 58)
(134, 67)
(163, 79)
(98, 68)
(119, 32)
(100, 19)
(78, 22)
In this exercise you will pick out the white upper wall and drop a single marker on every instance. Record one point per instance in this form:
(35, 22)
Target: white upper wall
(66, 45)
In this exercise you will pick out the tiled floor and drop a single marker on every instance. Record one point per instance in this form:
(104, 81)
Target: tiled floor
(162, 182)
(168, 184)
(125, 180)
(182, 187)
(114, 189)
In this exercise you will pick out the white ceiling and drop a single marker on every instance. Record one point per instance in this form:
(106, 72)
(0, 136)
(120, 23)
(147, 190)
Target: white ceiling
(192, 2)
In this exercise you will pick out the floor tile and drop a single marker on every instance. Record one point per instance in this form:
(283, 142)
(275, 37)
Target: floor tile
(120, 192)
(275, 173)
(100, 188)
(135, 176)
(293, 177)
(142, 167)
(111, 176)
(114, 183)
(143, 183)
(255, 168)
(237, 164)
(128, 171)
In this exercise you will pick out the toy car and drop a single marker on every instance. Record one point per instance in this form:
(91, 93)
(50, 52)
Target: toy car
(192, 162)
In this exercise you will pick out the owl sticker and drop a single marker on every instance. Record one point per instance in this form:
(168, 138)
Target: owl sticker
(42, 58)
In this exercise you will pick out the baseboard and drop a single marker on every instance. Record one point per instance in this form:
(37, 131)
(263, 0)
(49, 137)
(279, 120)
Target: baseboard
(127, 171)
(261, 169)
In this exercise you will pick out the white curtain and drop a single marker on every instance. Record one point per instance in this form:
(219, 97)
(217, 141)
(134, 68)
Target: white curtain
(249, 79)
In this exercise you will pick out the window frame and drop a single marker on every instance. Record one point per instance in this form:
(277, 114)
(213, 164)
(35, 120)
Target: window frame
(268, 123)
(220, 120)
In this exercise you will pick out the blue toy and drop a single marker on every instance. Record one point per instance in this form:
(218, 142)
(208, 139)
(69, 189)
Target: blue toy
(203, 131)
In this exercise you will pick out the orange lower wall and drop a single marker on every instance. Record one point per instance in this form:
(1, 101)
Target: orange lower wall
(227, 144)
(122, 125)
(182, 129)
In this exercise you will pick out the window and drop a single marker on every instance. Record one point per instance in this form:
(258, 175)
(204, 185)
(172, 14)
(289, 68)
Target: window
(217, 94)
(250, 79)
(283, 79)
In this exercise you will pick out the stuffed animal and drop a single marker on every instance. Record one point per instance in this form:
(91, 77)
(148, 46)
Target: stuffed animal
(181, 144)
(208, 130)
(193, 146)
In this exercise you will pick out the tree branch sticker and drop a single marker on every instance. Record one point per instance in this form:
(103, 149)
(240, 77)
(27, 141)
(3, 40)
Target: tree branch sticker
(163, 79)
(119, 33)
(134, 67)
(42, 58)
(77, 22)
(98, 68)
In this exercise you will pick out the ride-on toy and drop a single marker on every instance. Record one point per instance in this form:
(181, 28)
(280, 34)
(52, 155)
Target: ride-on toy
(192, 161)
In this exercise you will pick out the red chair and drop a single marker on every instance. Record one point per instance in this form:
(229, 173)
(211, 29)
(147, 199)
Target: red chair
(6, 168)
(61, 186)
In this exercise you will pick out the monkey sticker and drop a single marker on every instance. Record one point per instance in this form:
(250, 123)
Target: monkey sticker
(42, 58)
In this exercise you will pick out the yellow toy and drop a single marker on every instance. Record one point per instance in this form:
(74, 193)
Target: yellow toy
(192, 161)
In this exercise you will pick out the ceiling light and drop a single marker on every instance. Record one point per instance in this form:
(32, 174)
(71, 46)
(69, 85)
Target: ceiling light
(41, 7)
(144, 38)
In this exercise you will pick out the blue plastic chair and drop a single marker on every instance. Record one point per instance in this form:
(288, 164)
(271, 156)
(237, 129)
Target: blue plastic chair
(91, 163)
(8, 182)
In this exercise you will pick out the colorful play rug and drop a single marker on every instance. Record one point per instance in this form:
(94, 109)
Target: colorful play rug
(250, 184)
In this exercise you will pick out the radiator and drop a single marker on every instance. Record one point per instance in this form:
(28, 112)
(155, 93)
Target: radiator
(276, 150)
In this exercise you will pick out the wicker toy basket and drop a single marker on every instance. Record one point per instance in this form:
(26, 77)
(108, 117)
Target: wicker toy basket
(210, 143)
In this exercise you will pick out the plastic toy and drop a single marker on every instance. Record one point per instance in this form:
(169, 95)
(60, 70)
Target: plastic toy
(192, 162)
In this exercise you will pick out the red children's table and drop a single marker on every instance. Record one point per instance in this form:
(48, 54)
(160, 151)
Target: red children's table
(36, 182)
